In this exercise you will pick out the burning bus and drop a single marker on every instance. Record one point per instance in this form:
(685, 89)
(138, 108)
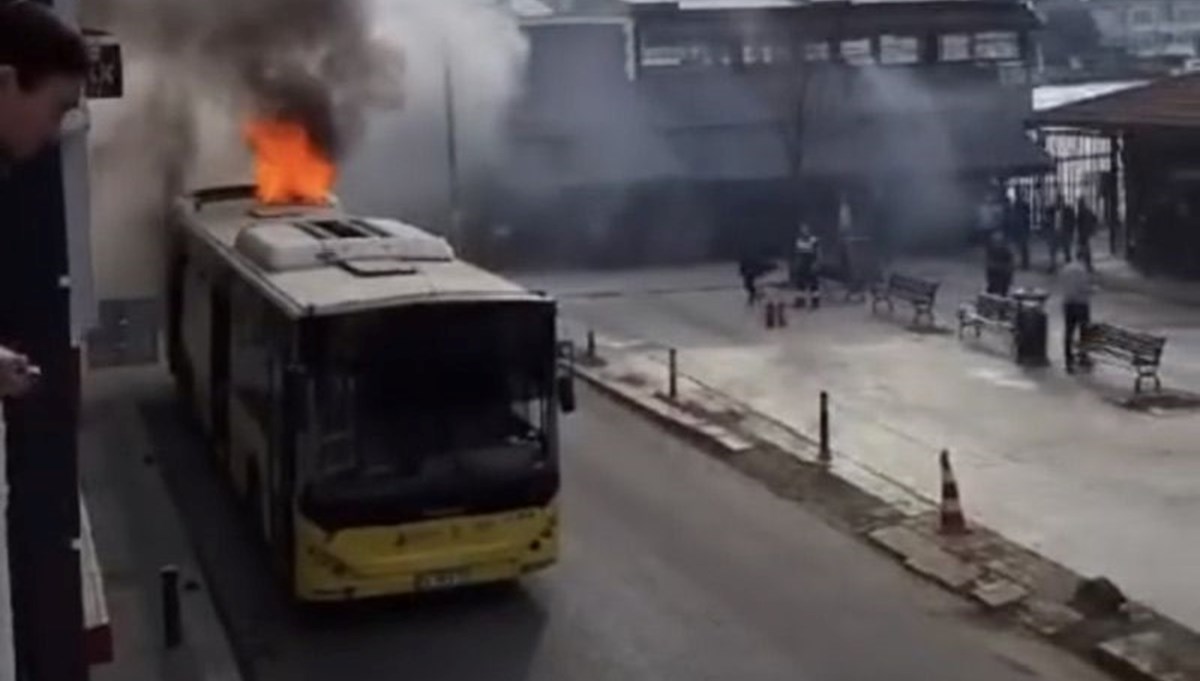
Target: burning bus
(387, 412)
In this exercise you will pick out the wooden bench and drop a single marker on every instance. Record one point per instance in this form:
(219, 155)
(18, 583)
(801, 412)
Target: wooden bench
(1141, 352)
(919, 293)
(988, 311)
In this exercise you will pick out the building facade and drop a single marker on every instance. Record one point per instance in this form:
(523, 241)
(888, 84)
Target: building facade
(657, 131)
(1149, 27)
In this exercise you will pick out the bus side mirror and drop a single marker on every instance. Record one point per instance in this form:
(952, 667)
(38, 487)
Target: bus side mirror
(566, 393)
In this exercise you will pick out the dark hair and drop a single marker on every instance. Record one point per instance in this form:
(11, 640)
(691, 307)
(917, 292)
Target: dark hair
(35, 42)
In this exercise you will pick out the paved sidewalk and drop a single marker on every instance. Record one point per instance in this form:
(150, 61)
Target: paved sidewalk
(1052, 461)
(137, 531)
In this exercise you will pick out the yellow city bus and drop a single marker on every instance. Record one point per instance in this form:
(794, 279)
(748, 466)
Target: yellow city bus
(387, 412)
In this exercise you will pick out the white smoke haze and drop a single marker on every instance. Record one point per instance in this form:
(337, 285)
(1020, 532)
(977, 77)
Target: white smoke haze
(926, 195)
(365, 76)
(402, 167)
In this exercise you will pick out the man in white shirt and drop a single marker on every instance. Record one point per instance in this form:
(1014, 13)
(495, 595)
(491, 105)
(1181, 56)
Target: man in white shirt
(1077, 289)
(805, 255)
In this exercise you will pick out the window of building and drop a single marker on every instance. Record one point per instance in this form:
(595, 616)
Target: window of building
(682, 47)
(954, 47)
(857, 52)
(1187, 13)
(899, 49)
(997, 45)
(777, 52)
(718, 54)
(664, 56)
(765, 50)
(816, 51)
(1142, 16)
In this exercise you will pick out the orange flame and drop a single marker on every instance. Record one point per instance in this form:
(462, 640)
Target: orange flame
(288, 167)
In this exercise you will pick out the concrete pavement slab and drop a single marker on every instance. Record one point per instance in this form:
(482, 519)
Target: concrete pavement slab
(1049, 618)
(997, 593)
(925, 557)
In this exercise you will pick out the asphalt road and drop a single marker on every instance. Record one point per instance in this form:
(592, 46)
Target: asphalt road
(675, 568)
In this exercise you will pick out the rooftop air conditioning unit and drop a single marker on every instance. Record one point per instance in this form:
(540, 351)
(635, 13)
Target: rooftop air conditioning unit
(309, 244)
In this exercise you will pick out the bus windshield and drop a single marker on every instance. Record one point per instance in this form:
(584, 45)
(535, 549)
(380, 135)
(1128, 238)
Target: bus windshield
(415, 390)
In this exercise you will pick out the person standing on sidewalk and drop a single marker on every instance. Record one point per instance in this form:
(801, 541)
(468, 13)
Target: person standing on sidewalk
(999, 265)
(805, 255)
(1066, 235)
(43, 63)
(1018, 224)
(753, 264)
(1054, 216)
(1077, 289)
(1087, 223)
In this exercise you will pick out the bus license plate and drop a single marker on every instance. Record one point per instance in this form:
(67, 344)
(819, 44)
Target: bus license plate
(441, 579)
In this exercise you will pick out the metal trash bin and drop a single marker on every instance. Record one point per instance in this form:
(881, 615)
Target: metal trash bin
(1032, 327)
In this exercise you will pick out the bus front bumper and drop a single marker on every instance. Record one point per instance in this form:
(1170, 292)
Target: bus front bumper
(364, 563)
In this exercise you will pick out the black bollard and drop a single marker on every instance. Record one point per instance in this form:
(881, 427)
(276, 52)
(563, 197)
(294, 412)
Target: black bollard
(172, 622)
(825, 453)
(591, 344)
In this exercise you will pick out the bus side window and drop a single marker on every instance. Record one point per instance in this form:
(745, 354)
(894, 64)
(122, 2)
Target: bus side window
(252, 355)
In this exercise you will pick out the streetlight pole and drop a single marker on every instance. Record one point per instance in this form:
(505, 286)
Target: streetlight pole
(452, 181)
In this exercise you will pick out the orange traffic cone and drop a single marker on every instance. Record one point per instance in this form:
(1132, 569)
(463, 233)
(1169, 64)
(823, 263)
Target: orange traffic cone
(952, 519)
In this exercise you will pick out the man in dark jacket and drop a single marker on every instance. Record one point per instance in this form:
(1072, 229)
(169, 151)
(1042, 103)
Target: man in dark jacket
(43, 63)
(1087, 222)
(1068, 225)
(999, 266)
(1019, 225)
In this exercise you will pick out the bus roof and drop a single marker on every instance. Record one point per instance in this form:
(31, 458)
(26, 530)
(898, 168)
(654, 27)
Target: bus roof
(319, 261)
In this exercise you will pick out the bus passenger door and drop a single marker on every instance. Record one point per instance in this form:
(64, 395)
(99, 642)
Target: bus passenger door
(219, 363)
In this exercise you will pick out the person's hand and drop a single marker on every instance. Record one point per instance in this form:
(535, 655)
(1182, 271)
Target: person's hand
(17, 375)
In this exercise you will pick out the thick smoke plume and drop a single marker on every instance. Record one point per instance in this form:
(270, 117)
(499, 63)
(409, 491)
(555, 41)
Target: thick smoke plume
(468, 56)
(365, 77)
(311, 61)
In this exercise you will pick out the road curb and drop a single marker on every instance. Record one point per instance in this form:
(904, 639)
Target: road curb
(692, 429)
(1137, 657)
(1003, 578)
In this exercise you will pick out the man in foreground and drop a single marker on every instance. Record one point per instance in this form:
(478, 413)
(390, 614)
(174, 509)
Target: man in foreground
(43, 63)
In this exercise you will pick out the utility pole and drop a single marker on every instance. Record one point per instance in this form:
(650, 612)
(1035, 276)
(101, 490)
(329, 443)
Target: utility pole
(452, 181)
(43, 512)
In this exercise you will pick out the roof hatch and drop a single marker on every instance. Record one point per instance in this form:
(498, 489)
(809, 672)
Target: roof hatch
(308, 244)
